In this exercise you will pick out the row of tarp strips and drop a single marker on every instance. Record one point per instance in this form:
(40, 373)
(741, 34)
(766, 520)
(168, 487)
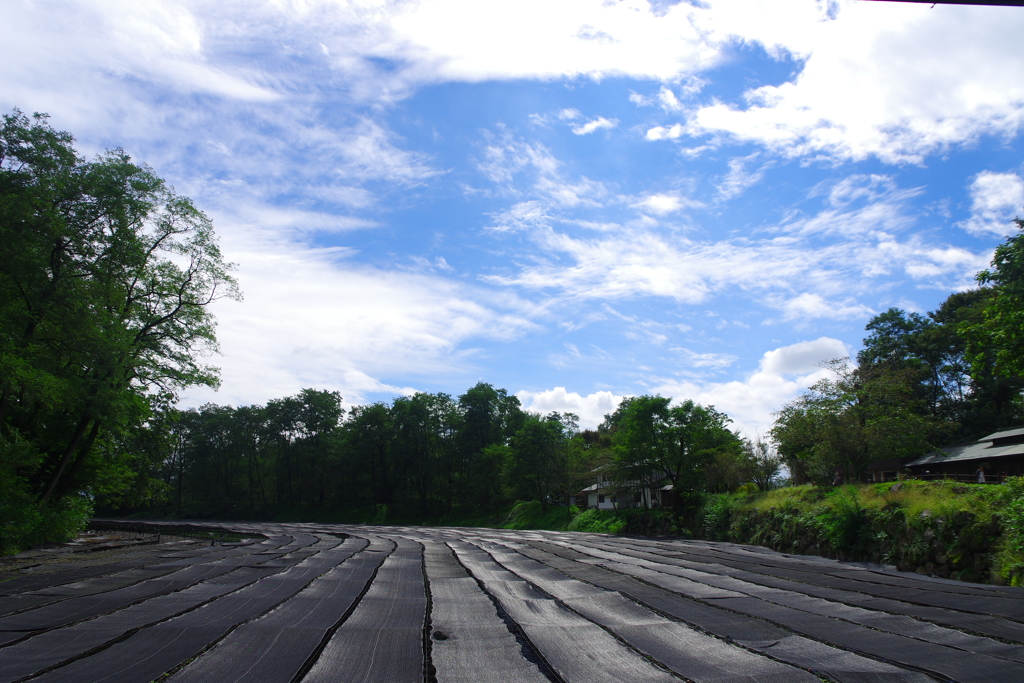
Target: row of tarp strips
(48, 649)
(157, 648)
(794, 597)
(909, 589)
(25, 614)
(181, 573)
(681, 648)
(748, 632)
(843, 591)
(921, 655)
(770, 559)
(277, 646)
(99, 566)
(471, 642)
(574, 647)
(119, 609)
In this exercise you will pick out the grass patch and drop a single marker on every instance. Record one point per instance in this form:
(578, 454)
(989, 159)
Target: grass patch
(964, 531)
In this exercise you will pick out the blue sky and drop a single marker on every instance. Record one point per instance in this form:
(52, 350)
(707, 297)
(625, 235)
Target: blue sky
(576, 201)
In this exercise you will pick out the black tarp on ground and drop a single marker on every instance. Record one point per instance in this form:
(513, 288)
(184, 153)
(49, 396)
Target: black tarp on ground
(574, 647)
(382, 641)
(751, 633)
(470, 642)
(157, 649)
(688, 652)
(275, 646)
(587, 606)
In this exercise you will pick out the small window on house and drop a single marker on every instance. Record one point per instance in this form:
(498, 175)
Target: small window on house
(636, 497)
(600, 498)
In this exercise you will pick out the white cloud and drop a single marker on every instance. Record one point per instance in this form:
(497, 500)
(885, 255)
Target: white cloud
(876, 79)
(804, 357)
(781, 375)
(816, 267)
(996, 198)
(672, 132)
(800, 278)
(738, 179)
(312, 318)
(594, 125)
(891, 80)
(808, 306)
(705, 360)
(368, 152)
(512, 163)
(591, 408)
(505, 158)
(663, 204)
(81, 44)
(475, 41)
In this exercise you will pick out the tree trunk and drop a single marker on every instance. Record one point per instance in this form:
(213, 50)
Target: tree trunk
(76, 438)
(83, 453)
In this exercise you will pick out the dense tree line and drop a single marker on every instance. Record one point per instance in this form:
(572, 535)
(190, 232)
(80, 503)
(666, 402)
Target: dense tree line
(428, 456)
(920, 381)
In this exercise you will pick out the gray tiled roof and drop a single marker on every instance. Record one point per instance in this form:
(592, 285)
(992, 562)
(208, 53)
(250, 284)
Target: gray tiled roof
(1005, 434)
(978, 450)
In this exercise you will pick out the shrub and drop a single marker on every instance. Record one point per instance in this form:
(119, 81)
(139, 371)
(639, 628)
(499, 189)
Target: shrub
(1010, 554)
(597, 521)
(716, 516)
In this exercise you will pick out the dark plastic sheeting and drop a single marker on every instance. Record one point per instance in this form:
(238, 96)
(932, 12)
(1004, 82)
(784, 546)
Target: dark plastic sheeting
(382, 641)
(277, 645)
(470, 642)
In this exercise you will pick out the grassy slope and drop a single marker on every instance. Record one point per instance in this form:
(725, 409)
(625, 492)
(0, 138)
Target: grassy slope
(965, 531)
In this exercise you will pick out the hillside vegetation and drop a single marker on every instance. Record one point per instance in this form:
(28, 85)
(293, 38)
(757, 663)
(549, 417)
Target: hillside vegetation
(960, 531)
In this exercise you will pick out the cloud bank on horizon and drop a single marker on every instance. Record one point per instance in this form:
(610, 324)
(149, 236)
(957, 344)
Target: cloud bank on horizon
(576, 201)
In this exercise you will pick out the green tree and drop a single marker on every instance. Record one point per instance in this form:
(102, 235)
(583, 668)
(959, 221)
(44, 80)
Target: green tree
(489, 416)
(845, 422)
(996, 341)
(964, 400)
(106, 276)
(764, 463)
(655, 441)
(539, 460)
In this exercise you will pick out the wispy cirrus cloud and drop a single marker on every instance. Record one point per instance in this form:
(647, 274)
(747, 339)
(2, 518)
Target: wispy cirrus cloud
(741, 176)
(600, 123)
(808, 267)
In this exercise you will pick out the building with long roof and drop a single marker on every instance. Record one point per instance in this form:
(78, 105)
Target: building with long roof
(999, 455)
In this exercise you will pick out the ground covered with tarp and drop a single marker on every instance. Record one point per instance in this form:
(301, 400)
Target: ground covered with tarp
(318, 602)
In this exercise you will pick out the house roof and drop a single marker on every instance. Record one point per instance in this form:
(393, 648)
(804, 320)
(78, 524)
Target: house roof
(999, 444)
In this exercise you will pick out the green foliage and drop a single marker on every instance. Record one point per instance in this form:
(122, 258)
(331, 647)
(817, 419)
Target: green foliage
(688, 445)
(843, 423)
(598, 522)
(996, 342)
(842, 523)
(532, 515)
(380, 515)
(23, 521)
(105, 279)
(716, 516)
(1010, 557)
(952, 530)
(964, 399)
